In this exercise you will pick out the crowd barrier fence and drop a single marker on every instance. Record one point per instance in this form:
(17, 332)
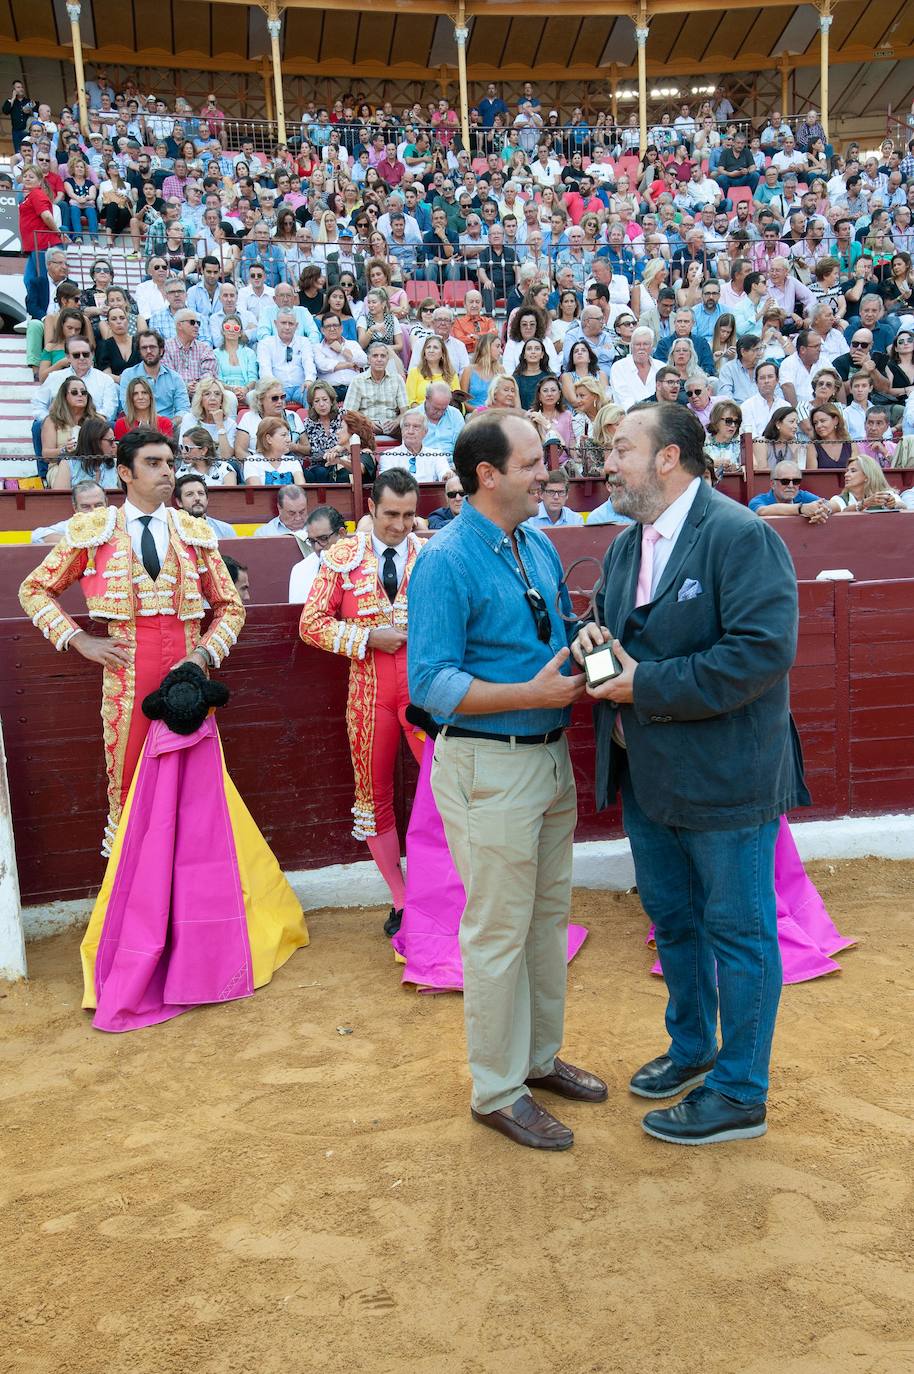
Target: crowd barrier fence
(286, 746)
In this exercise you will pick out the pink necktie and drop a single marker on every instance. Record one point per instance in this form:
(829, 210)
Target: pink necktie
(649, 537)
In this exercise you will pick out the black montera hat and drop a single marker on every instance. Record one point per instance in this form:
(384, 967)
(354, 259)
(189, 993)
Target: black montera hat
(184, 698)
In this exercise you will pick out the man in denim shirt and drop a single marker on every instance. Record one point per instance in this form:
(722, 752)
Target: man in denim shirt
(488, 657)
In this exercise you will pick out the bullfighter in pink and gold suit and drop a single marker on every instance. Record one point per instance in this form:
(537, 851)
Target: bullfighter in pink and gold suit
(157, 622)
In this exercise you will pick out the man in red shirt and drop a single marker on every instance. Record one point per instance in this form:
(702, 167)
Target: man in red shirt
(583, 202)
(46, 169)
(467, 328)
(37, 232)
(389, 168)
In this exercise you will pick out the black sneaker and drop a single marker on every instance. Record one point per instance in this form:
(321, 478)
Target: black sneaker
(662, 1078)
(705, 1118)
(392, 924)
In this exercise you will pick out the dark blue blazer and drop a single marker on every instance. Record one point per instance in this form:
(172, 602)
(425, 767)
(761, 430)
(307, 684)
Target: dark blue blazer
(710, 742)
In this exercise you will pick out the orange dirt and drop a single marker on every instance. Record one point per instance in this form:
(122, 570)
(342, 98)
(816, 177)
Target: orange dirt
(245, 1189)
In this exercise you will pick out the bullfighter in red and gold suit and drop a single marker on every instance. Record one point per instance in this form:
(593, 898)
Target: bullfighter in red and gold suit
(357, 607)
(153, 622)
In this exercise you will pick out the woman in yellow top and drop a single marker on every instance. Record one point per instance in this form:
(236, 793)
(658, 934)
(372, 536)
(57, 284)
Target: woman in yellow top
(434, 365)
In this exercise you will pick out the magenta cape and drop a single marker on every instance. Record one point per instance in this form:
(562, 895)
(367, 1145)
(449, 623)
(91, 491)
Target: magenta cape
(193, 907)
(427, 940)
(806, 933)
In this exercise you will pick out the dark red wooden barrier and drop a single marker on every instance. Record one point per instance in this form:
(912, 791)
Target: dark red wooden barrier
(872, 546)
(285, 743)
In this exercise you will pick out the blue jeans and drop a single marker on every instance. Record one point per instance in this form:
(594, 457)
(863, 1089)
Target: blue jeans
(432, 272)
(37, 286)
(749, 179)
(76, 214)
(710, 894)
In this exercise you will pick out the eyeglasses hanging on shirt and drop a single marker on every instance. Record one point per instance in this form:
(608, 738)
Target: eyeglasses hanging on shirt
(288, 353)
(537, 603)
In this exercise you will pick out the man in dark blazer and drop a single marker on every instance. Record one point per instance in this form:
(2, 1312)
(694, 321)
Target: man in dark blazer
(700, 602)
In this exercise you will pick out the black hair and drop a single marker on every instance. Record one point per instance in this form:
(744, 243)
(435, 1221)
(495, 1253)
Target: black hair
(233, 567)
(599, 289)
(747, 342)
(395, 480)
(770, 432)
(135, 439)
(186, 481)
(330, 514)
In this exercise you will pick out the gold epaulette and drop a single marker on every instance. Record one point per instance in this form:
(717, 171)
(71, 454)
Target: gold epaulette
(346, 554)
(91, 528)
(192, 530)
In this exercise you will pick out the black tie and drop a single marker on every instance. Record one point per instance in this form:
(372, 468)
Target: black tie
(148, 549)
(389, 575)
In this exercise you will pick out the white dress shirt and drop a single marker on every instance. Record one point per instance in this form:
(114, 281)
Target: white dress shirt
(101, 387)
(400, 552)
(627, 387)
(326, 361)
(272, 355)
(431, 464)
(251, 303)
(301, 579)
(158, 526)
(149, 299)
(757, 412)
(669, 527)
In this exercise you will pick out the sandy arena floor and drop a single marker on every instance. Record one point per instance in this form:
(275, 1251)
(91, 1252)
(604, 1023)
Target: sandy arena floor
(245, 1189)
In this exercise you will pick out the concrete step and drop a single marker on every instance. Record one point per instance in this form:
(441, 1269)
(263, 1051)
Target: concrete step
(18, 467)
(16, 391)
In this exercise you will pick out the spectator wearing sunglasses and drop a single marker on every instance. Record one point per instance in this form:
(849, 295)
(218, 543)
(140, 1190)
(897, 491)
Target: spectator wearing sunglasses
(453, 504)
(100, 386)
(787, 497)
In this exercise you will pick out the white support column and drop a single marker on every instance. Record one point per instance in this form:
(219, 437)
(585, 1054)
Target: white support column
(641, 33)
(274, 26)
(12, 943)
(74, 11)
(825, 21)
(461, 34)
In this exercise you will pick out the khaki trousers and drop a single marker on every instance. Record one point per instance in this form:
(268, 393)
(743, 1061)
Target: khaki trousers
(509, 812)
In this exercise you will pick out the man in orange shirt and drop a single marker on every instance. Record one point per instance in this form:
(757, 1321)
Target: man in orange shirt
(467, 328)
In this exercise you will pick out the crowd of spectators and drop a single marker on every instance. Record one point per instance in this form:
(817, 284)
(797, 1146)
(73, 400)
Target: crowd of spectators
(375, 279)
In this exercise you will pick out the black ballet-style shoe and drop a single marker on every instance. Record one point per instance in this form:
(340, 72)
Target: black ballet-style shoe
(392, 924)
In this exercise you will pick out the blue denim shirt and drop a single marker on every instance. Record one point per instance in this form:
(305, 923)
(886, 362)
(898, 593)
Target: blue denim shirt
(469, 619)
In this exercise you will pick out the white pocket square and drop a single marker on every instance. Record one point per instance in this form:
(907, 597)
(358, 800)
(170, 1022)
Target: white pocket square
(689, 590)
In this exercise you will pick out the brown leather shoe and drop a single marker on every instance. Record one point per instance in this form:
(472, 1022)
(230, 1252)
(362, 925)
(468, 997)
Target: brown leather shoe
(568, 1081)
(527, 1123)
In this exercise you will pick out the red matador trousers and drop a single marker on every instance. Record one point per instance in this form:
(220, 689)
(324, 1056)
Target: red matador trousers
(375, 740)
(158, 642)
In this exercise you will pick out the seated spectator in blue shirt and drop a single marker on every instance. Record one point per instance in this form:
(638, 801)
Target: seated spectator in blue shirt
(787, 497)
(553, 508)
(168, 388)
(684, 328)
(453, 496)
(269, 255)
(444, 421)
(606, 514)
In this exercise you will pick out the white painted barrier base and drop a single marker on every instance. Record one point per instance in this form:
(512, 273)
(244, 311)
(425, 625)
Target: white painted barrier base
(603, 865)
